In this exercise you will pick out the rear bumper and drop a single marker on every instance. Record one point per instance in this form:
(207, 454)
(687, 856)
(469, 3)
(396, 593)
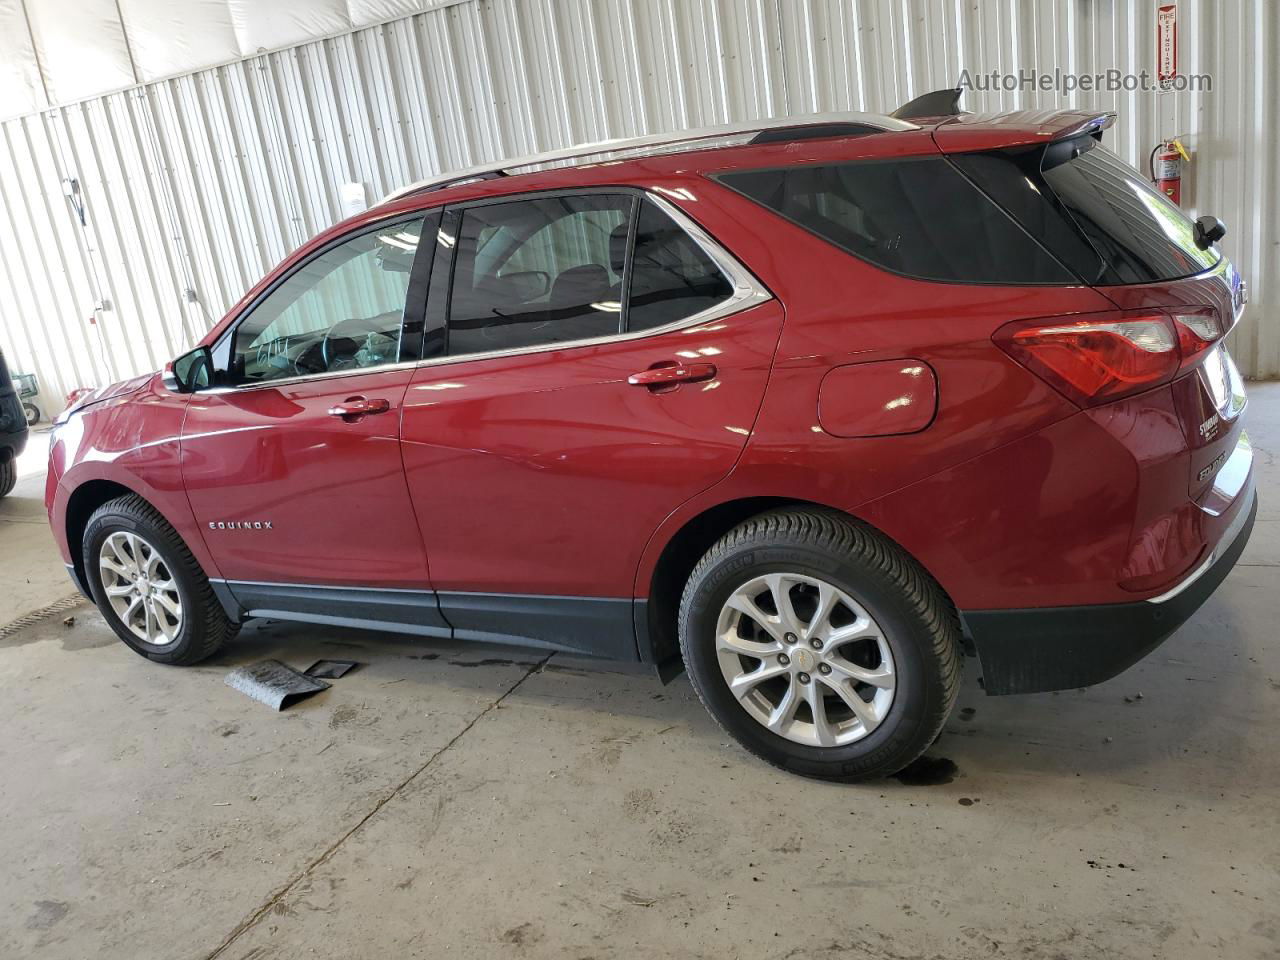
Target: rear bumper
(1058, 648)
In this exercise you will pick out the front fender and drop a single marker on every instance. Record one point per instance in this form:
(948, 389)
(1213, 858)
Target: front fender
(133, 442)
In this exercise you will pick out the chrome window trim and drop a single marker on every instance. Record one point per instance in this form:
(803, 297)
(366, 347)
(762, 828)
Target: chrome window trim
(748, 292)
(308, 378)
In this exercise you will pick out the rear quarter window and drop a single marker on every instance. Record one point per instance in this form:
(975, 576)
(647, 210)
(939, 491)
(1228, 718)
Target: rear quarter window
(916, 216)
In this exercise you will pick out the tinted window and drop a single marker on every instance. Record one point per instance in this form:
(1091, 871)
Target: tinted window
(1012, 179)
(341, 310)
(671, 276)
(534, 272)
(916, 216)
(1139, 233)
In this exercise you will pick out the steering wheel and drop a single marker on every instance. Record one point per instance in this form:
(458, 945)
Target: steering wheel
(355, 342)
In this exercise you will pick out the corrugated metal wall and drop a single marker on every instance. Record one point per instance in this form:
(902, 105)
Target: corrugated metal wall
(193, 187)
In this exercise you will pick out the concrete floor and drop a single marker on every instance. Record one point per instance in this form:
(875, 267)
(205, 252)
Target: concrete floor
(460, 801)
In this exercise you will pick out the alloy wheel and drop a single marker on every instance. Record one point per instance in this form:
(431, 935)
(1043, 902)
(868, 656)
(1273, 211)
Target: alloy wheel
(140, 588)
(805, 659)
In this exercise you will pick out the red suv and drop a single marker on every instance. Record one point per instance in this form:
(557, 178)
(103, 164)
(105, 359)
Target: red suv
(809, 409)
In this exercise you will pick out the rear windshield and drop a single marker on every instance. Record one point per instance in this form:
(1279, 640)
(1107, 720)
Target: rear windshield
(1094, 211)
(916, 216)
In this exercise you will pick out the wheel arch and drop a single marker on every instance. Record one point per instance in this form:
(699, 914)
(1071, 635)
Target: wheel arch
(656, 619)
(81, 504)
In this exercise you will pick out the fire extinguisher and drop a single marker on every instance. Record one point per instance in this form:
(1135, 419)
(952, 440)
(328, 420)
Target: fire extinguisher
(1166, 168)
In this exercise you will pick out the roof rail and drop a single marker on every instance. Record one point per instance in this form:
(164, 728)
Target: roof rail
(778, 129)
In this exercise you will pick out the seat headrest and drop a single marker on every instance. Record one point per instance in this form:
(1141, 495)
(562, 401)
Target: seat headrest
(618, 247)
(581, 284)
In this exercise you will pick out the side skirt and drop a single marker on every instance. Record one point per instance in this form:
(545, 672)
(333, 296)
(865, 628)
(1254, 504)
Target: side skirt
(587, 626)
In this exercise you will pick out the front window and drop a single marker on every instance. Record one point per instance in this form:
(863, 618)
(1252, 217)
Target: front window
(341, 310)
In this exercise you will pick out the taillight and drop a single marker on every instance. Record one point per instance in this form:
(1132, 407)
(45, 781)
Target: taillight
(1097, 357)
(1198, 330)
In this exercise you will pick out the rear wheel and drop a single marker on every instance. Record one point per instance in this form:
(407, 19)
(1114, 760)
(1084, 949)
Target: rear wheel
(820, 646)
(149, 587)
(8, 476)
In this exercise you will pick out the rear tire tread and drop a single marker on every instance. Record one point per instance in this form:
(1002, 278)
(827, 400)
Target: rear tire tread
(843, 536)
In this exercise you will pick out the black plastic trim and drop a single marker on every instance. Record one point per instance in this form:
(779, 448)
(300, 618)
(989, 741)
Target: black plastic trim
(813, 131)
(80, 585)
(601, 627)
(590, 626)
(403, 611)
(1059, 648)
(413, 319)
(227, 600)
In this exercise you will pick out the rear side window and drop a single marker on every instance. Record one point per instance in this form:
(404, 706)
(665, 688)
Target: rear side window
(1093, 210)
(533, 272)
(916, 216)
(550, 270)
(671, 276)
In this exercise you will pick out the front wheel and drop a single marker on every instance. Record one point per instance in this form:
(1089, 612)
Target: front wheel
(820, 646)
(149, 587)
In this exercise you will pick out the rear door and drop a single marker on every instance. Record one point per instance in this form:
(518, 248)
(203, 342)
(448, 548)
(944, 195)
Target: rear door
(604, 361)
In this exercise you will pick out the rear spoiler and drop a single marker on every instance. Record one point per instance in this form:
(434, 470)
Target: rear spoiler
(1019, 128)
(1092, 125)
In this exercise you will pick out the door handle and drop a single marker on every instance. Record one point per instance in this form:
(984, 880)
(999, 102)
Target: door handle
(353, 407)
(672, 373)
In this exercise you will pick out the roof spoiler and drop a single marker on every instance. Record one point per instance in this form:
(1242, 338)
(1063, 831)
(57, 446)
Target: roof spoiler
(1091, 125)
(938, 103)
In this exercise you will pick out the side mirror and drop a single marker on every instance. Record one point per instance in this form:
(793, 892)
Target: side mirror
(190, 372)
(1209, 230)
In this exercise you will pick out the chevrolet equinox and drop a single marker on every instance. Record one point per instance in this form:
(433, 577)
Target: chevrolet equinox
(809, 408)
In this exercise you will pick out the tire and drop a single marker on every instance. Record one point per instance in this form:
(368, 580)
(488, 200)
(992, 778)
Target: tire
(134, 529)
(8, 476)
(32, 413)
(907, 647)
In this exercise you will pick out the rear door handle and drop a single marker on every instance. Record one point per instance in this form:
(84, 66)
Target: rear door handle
(354, 407)
(658, 376)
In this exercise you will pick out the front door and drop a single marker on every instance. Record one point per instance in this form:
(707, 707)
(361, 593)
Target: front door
(603, 365)
(293, 467)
